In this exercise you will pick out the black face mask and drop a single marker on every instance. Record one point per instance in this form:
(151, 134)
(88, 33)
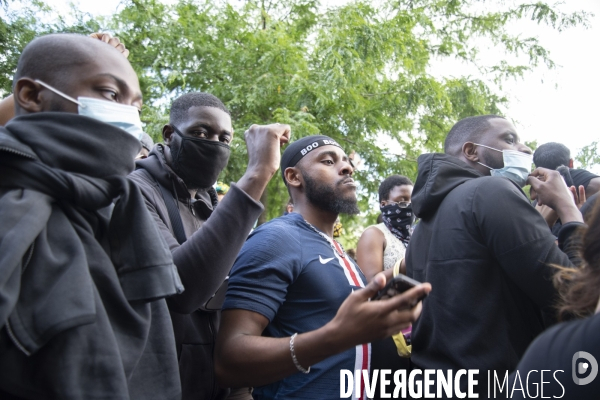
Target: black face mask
(398, 220)
(198, 162)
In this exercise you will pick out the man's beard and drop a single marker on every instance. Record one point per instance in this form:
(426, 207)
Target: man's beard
(58, 104)
(493, 160)
(188, 178)
(329, 198)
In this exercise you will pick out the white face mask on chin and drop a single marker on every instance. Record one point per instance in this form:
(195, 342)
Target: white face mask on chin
(119, 115)
(517, 165)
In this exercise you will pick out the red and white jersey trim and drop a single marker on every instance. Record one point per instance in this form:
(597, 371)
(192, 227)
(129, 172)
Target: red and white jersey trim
(350, 269)
(363, 352)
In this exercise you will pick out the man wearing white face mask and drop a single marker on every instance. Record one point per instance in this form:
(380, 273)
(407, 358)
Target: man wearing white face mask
(84, 271)
(118, 115)
(486, 251)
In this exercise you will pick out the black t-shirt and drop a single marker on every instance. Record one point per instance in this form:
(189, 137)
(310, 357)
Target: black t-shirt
(560, 350)
(581, 177)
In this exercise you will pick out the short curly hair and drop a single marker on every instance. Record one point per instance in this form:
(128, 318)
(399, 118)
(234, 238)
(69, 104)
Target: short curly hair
(551, 155)
(182, 104)
(391, 182)
(468, 129)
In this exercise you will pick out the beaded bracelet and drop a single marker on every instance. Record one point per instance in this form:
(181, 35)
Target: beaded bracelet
(294, 359)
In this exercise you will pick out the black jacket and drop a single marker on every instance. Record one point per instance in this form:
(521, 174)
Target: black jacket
(487, 253)
(83, 269)
(203, 262)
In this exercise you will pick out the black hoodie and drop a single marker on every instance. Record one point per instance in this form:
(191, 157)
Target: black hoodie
(83, 269)
(487, 254)
(203, 262)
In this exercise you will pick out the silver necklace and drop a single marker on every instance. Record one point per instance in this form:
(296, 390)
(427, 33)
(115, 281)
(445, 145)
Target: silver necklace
(330, 241)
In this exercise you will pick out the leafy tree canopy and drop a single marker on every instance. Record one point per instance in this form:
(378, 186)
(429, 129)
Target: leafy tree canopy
(589, 155)
(21, 22)
(358, 72)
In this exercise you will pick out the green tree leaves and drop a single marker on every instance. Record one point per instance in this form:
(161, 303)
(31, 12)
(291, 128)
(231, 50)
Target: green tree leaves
(359, 72)
(589, 155)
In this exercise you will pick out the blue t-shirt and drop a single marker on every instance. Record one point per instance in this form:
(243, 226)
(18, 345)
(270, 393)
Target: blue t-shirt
(290, 274)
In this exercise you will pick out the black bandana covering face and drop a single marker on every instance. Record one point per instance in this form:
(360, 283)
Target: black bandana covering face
(199, 161)
(398, 220)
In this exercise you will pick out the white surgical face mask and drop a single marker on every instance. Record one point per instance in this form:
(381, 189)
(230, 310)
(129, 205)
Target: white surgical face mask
(119, 115)
(517, 165)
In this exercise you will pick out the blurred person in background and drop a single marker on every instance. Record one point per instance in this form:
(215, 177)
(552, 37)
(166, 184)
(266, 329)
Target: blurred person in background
(289, 207)
(147, 144)
(222, 189)
(552, 155)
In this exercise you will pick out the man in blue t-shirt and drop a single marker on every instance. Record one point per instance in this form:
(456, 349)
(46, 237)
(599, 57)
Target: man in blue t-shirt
(297, 309)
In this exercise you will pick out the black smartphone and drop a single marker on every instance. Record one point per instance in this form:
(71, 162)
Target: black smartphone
(566, 174)
(398, 284)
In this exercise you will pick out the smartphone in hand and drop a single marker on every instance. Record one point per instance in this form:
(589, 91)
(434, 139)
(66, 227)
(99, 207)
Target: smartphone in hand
(398, 284)
(566, 174)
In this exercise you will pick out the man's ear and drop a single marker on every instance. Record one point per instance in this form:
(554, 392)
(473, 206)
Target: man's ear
(293, 177)
(28, 96)
(167, 132)
(571, 163)
(469, 151)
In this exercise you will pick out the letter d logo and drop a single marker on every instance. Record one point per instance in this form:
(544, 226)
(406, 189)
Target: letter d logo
(583, 367)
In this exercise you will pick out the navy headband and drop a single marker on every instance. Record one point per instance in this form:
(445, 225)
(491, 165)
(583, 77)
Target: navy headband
(301, 147)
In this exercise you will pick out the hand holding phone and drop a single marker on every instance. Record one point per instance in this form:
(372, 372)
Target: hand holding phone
(398, 284)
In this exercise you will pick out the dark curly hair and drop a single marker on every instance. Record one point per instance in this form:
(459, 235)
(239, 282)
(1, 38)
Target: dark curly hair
(551, 155)
(579, 288)
(469, 129)
(391, 182)
(181, 105)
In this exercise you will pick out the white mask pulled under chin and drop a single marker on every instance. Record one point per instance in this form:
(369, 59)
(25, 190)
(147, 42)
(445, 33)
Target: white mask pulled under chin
(517, 165)
(119, 115)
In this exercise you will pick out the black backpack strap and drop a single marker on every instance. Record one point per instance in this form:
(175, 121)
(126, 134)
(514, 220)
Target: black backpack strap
(174, 216)
(216, 301)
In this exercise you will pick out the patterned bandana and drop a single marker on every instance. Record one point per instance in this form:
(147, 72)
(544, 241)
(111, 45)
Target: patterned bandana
(398, 220)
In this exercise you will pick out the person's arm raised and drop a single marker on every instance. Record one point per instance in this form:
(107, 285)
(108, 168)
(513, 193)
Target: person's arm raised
(263, 143)
(205, 259)
(245, 358)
